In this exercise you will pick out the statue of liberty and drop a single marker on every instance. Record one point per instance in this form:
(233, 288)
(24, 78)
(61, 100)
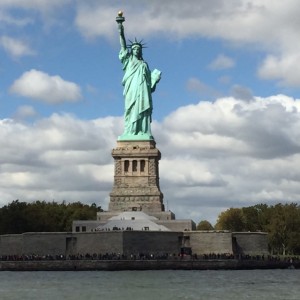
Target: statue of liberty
(139, 84)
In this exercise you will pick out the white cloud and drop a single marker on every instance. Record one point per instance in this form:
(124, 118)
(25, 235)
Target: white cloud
(48, 12)
(95, 21)
(231, 20)
(241, 92)
(14, 47)
(242, 153)
(264, 25)
(202, 89)
(43, 87)
(215, 155)
(59, 158)
(33, 4)
(24, 112)
(225, 79)
(6, 18)
(285, 68)
(222, 62)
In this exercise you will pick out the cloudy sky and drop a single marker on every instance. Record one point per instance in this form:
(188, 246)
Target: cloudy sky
(226, 112)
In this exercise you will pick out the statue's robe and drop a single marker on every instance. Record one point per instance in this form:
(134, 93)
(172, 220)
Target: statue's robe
(137, 94)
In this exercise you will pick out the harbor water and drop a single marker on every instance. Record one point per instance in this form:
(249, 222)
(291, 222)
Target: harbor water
(161, 285)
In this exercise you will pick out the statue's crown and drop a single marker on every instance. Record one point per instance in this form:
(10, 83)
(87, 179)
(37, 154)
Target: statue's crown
(136, 42)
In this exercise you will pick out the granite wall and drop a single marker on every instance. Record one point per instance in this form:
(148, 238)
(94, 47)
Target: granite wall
(11, 244)
(205, 242)
(133, 242)
(152, 242)
(33, 243)
(100, 242)
(251, 243)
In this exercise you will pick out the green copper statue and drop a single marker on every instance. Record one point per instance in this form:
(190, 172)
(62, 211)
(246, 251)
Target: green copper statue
(139, 83)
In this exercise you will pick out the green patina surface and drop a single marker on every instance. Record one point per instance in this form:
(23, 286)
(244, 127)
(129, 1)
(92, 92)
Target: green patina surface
(139, 84)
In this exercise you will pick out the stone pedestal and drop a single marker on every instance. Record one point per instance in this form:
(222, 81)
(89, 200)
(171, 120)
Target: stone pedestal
(136, 179)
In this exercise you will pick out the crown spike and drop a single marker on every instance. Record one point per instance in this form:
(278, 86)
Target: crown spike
(136, 42)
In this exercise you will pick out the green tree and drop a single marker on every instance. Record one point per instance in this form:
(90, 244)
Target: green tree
(293, 244)
(232, 219)
(79, 211)
(251, 217)
(13, 218)
(204, 225)
(41, 216)
(283, 229)
(281, 222)
(256, 217)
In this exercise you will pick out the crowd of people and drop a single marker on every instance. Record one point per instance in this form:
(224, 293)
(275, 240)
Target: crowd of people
(146, 256)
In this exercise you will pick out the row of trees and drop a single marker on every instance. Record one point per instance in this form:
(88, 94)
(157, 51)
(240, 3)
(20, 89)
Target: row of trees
(281, 221)
(41, 216)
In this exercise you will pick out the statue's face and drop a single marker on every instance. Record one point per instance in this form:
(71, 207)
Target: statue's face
(137, 51)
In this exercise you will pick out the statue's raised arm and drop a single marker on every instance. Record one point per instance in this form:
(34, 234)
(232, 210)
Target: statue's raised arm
(122, 38)
(120, 19)
(139, 82)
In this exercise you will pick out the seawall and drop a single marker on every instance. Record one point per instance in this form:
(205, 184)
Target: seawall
(120, 265)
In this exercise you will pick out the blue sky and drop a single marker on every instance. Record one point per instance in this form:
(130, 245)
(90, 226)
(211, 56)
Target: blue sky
(226, 112)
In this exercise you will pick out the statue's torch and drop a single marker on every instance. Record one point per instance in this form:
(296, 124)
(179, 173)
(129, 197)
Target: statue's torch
(120, 19)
